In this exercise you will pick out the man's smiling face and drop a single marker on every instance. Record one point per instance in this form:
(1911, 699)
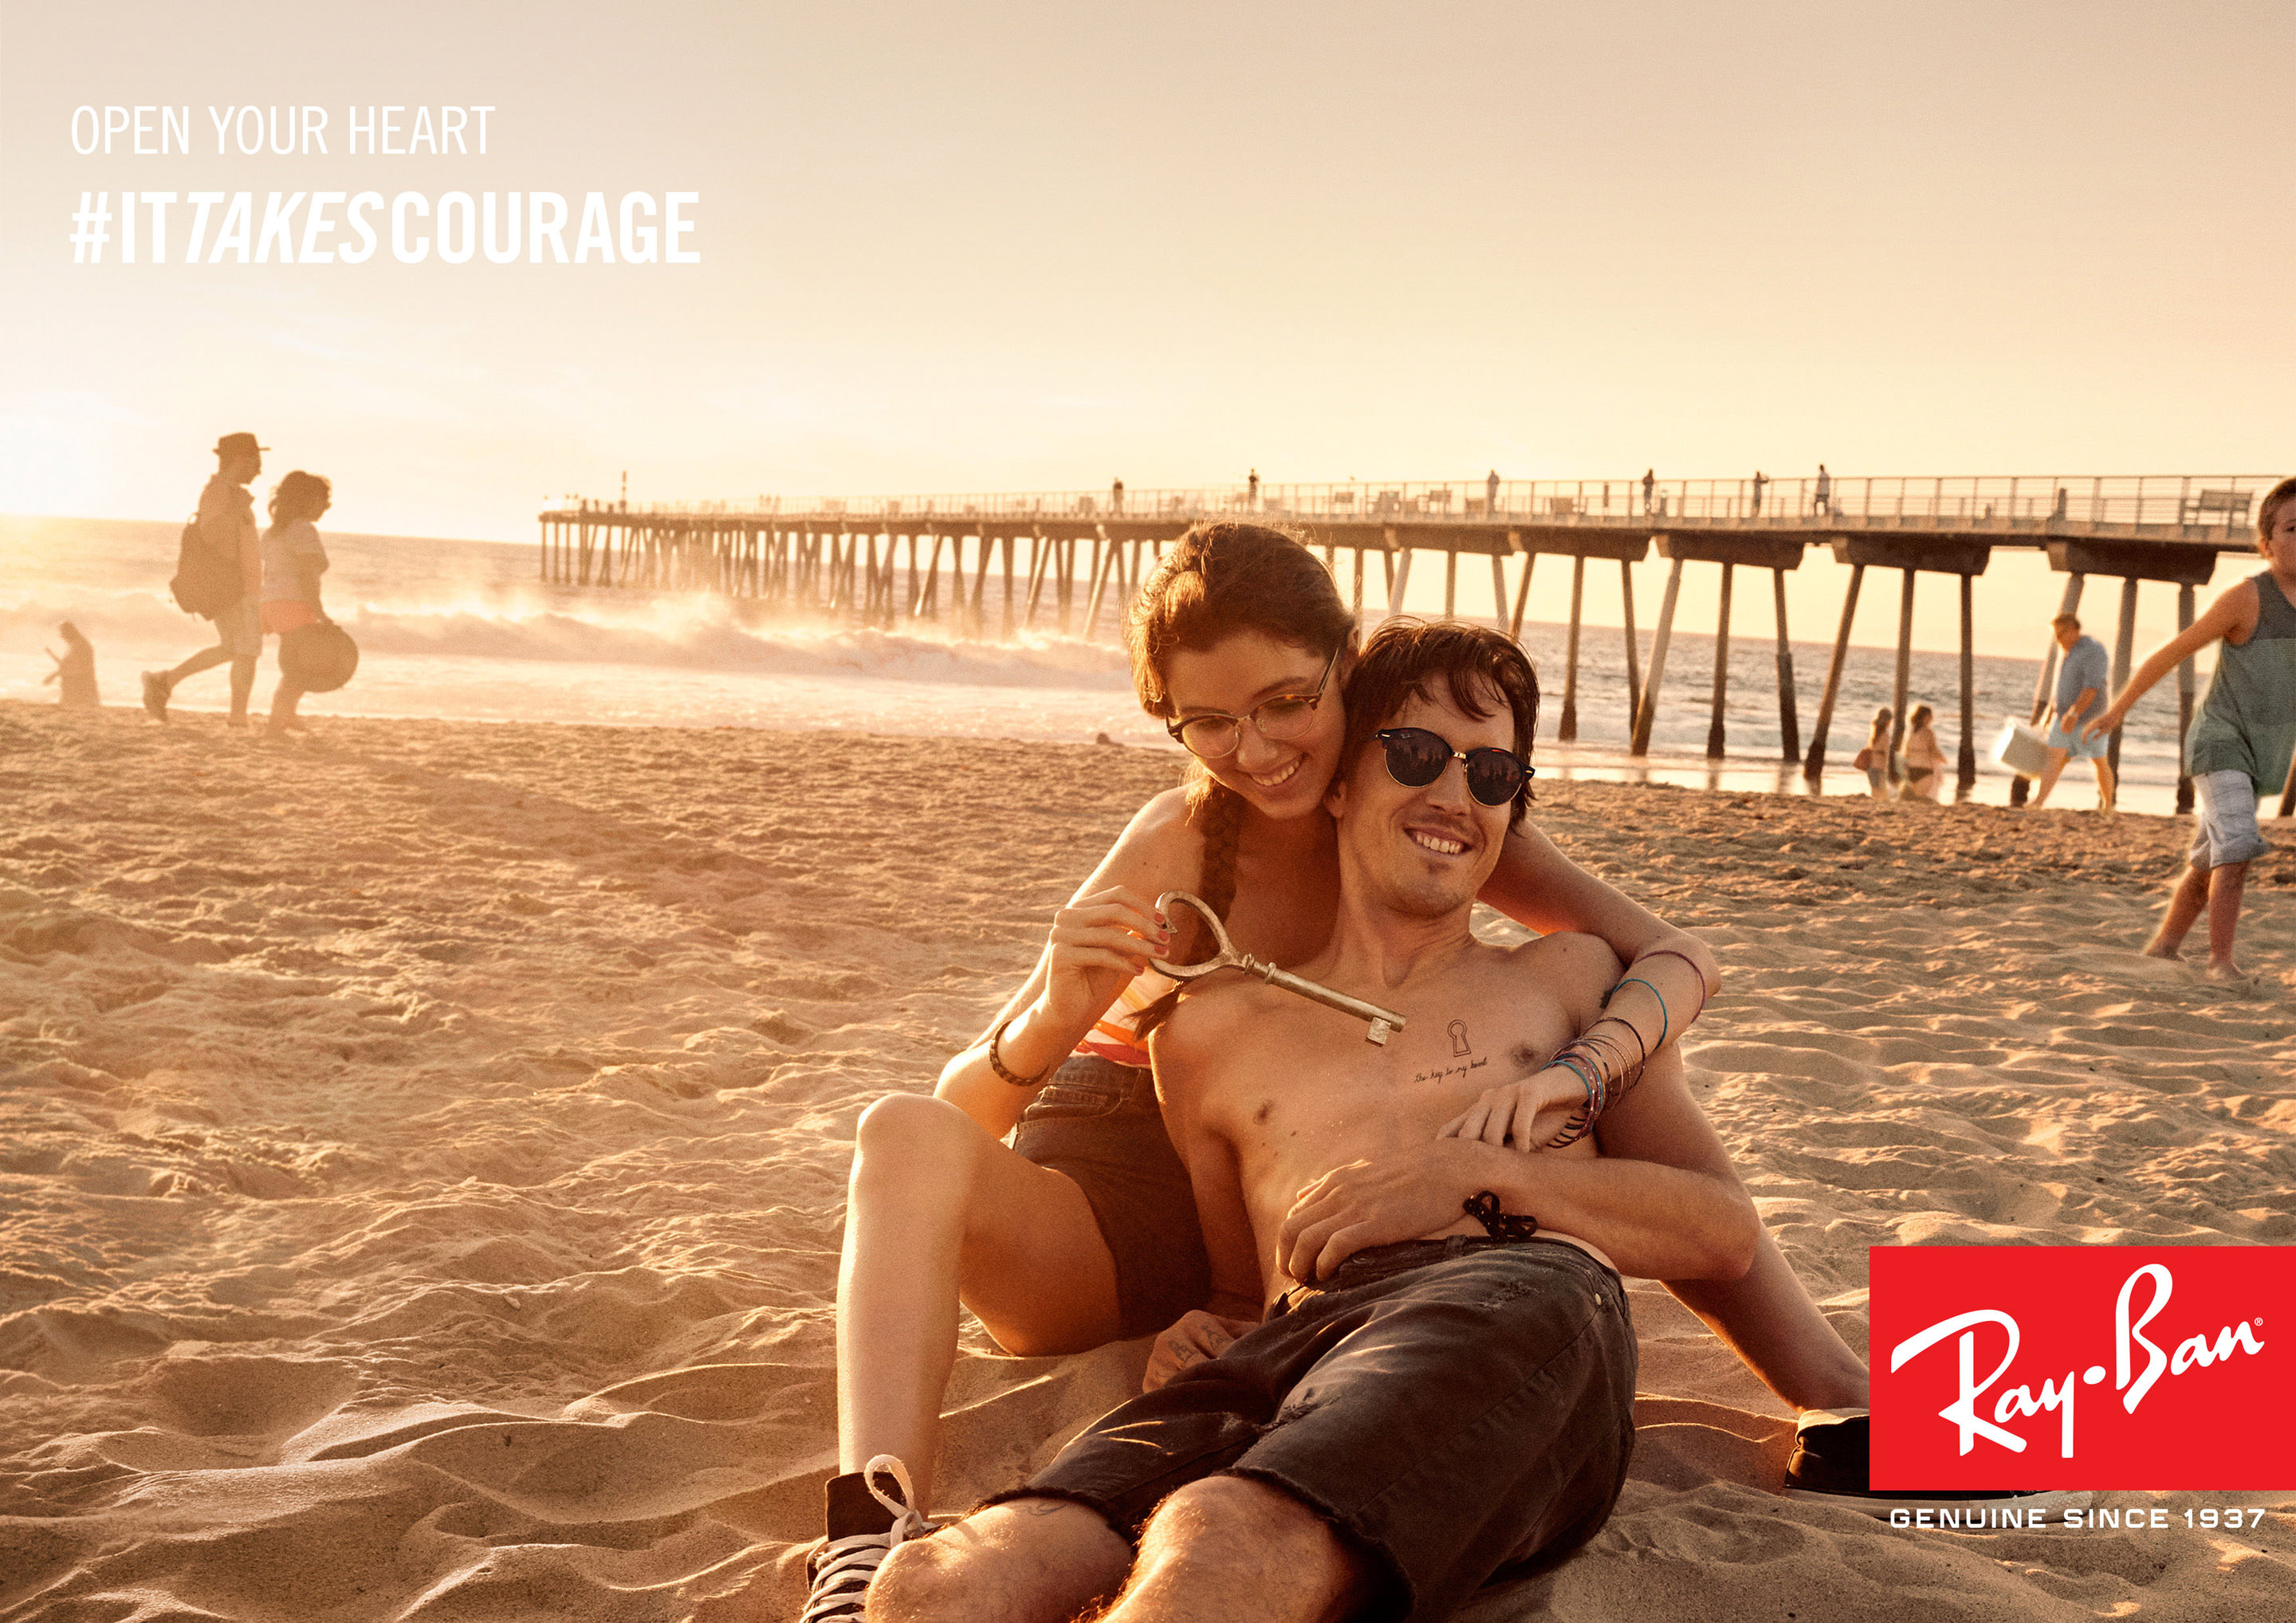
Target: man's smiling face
(1422, 852)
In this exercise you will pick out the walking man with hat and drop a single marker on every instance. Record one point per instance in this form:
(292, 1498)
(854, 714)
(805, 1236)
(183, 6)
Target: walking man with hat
(226, 528)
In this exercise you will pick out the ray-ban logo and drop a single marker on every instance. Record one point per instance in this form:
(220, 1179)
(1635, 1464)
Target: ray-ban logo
(1982, 1351)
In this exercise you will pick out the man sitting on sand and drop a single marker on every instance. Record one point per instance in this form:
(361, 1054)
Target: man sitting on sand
(1443, 1385)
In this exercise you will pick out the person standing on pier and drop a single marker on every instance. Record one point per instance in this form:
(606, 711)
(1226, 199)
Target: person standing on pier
(2081, 686)
(1822, 498)
(2242, 740)
(1491, 494)
(1115, 498)
(1252, 490)
(1760, 479)
(1650, 486)
(226, 528)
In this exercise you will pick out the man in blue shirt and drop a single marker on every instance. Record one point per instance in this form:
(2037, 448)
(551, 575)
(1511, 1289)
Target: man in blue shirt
(2081, 685)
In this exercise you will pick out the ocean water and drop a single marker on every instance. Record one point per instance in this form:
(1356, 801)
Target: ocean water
(466, 630)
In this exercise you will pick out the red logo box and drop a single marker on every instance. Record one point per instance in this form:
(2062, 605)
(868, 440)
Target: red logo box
(2105, 1367)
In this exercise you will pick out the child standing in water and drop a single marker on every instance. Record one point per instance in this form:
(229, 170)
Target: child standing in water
(2242, 740)
(75, 671)
(293, 560)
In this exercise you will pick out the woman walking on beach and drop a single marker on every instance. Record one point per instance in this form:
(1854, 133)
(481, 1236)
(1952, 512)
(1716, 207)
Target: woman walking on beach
(1084, 1231)
(2241, 742)
(1874, 760)
(293, 560)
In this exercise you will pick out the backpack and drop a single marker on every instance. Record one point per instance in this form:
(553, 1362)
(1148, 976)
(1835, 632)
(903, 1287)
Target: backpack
(204, 583)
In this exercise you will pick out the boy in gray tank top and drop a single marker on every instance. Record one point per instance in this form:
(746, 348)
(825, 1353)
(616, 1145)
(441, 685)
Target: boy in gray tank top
(2240, 745)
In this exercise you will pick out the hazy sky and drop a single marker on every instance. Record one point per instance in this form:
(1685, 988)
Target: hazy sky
(1016, 247)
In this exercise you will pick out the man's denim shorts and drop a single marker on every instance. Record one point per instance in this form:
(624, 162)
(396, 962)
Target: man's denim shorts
(1454, 1409)
(2069, 740)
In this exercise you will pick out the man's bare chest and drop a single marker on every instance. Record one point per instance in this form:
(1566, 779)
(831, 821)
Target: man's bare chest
(1295, 1091)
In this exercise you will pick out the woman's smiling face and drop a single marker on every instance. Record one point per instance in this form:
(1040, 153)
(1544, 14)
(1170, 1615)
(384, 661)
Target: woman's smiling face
(1283, 778)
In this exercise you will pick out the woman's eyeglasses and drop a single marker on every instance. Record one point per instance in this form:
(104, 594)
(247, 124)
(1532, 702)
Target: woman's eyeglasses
(1210, 736)
(1416, 757)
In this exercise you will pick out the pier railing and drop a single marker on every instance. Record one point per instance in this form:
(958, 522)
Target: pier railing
(2175, 503)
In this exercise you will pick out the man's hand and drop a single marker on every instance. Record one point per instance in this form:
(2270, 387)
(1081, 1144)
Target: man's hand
(1406, 1195)
(1196, 1336)
(2106, 720)
(1542, 1111)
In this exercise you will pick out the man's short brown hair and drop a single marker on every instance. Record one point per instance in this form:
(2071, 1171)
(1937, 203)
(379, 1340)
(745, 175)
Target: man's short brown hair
(2063, 620)
(1404, 660)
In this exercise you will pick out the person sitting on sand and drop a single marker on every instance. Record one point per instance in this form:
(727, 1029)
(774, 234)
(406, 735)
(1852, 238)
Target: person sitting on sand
(2081, 684)
(1874, 760)
(2241, 742)
(1924, 760)
(75, 671)
(293, 560)
(1084, 1229)
(1425, 1286)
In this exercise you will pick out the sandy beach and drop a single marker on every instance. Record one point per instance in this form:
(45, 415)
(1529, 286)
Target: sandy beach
(422, 1153)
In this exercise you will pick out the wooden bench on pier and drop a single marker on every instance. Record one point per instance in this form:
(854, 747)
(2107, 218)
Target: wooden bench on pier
(2225, 507)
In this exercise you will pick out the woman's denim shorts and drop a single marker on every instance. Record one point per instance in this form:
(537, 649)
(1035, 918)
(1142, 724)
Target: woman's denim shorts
(1098, 1123)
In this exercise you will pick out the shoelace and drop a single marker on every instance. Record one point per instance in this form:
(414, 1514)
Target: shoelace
(846, 1566)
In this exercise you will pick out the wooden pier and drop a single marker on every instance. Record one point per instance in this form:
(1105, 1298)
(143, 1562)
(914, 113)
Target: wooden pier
(1068, 561)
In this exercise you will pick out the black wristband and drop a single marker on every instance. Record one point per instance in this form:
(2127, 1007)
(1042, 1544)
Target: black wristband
(1484, 1208)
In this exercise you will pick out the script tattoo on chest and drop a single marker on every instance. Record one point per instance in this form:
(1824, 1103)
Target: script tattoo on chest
(1462, 1050)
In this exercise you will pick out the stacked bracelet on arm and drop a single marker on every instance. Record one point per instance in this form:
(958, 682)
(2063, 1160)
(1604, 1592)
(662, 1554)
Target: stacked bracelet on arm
(1599, 1060)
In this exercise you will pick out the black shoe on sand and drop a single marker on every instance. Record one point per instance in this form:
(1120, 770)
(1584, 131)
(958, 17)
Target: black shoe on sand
(156, 689)
(1830, 1466)
(865, 1525)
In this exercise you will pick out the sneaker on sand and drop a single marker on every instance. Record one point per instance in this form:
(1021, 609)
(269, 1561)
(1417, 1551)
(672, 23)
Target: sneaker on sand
(155, 694)
(865, 1525)
(1828, 1466)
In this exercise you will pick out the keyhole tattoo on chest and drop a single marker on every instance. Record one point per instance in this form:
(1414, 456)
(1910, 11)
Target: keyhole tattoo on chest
(1462, 1050)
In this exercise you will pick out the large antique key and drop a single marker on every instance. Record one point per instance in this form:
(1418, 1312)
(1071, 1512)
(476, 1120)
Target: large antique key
(1383, 1020)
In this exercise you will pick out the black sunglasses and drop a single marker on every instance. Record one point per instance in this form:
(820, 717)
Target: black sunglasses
(1416, 757)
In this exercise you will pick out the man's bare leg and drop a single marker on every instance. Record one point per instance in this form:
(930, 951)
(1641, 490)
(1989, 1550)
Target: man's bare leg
(2104, 784)
(242, 688)
(2057, 758)
(1026, 1560)
(207, 659)
(1229, 1547)
(2184, 904)
(2227, 882)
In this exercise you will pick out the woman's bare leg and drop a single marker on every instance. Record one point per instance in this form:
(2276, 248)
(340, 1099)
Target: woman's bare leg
(937, 1209)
